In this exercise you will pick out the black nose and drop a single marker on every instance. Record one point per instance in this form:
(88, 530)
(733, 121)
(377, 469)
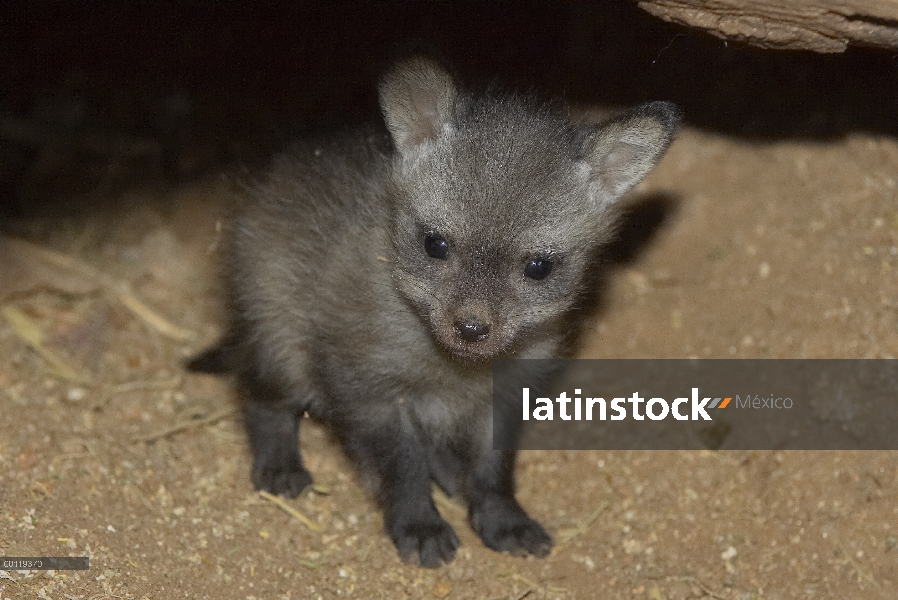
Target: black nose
(472, 330)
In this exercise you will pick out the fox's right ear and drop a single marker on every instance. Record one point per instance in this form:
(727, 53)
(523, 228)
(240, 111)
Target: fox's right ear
(417, 98)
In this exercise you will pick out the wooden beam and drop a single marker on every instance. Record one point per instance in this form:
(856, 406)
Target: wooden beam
(818, 25)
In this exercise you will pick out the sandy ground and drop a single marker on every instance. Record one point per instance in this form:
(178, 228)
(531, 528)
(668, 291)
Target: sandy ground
(108, 449)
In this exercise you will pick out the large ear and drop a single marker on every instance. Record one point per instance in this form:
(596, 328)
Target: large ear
(623, 150)
(416, 98)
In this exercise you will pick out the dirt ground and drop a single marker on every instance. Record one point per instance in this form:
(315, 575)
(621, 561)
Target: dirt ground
(770, 230)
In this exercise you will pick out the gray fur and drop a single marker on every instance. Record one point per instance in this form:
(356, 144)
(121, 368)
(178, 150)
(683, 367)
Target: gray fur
(338, 310)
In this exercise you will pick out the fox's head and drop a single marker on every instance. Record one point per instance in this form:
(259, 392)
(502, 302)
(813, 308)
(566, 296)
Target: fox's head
(500, 202)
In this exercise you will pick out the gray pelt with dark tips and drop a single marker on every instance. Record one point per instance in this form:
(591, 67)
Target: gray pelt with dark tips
(373, 278)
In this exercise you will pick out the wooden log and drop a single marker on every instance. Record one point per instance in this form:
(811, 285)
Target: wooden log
(818, 25)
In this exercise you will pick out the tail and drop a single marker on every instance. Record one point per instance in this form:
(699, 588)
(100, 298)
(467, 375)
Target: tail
(216, 360)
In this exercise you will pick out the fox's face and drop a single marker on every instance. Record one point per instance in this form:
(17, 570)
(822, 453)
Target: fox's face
(499, 204)
(492, 230)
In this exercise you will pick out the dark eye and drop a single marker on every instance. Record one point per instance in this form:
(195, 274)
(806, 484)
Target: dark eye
(436, 246)
(538, 268)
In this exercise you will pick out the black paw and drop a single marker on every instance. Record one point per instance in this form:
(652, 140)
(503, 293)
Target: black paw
(504, 527)
(429, 544)
(281, 479)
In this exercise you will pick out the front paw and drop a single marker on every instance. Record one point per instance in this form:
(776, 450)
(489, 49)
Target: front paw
(429, 543)
(287, 478)
(505, 527)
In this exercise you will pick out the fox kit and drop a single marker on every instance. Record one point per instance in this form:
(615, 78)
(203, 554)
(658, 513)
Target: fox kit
(373, 279)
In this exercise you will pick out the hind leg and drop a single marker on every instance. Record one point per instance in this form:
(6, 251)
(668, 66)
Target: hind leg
(447, 468)
(272, 422)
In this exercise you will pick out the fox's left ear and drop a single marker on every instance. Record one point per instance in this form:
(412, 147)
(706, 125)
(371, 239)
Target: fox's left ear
(623, 150)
